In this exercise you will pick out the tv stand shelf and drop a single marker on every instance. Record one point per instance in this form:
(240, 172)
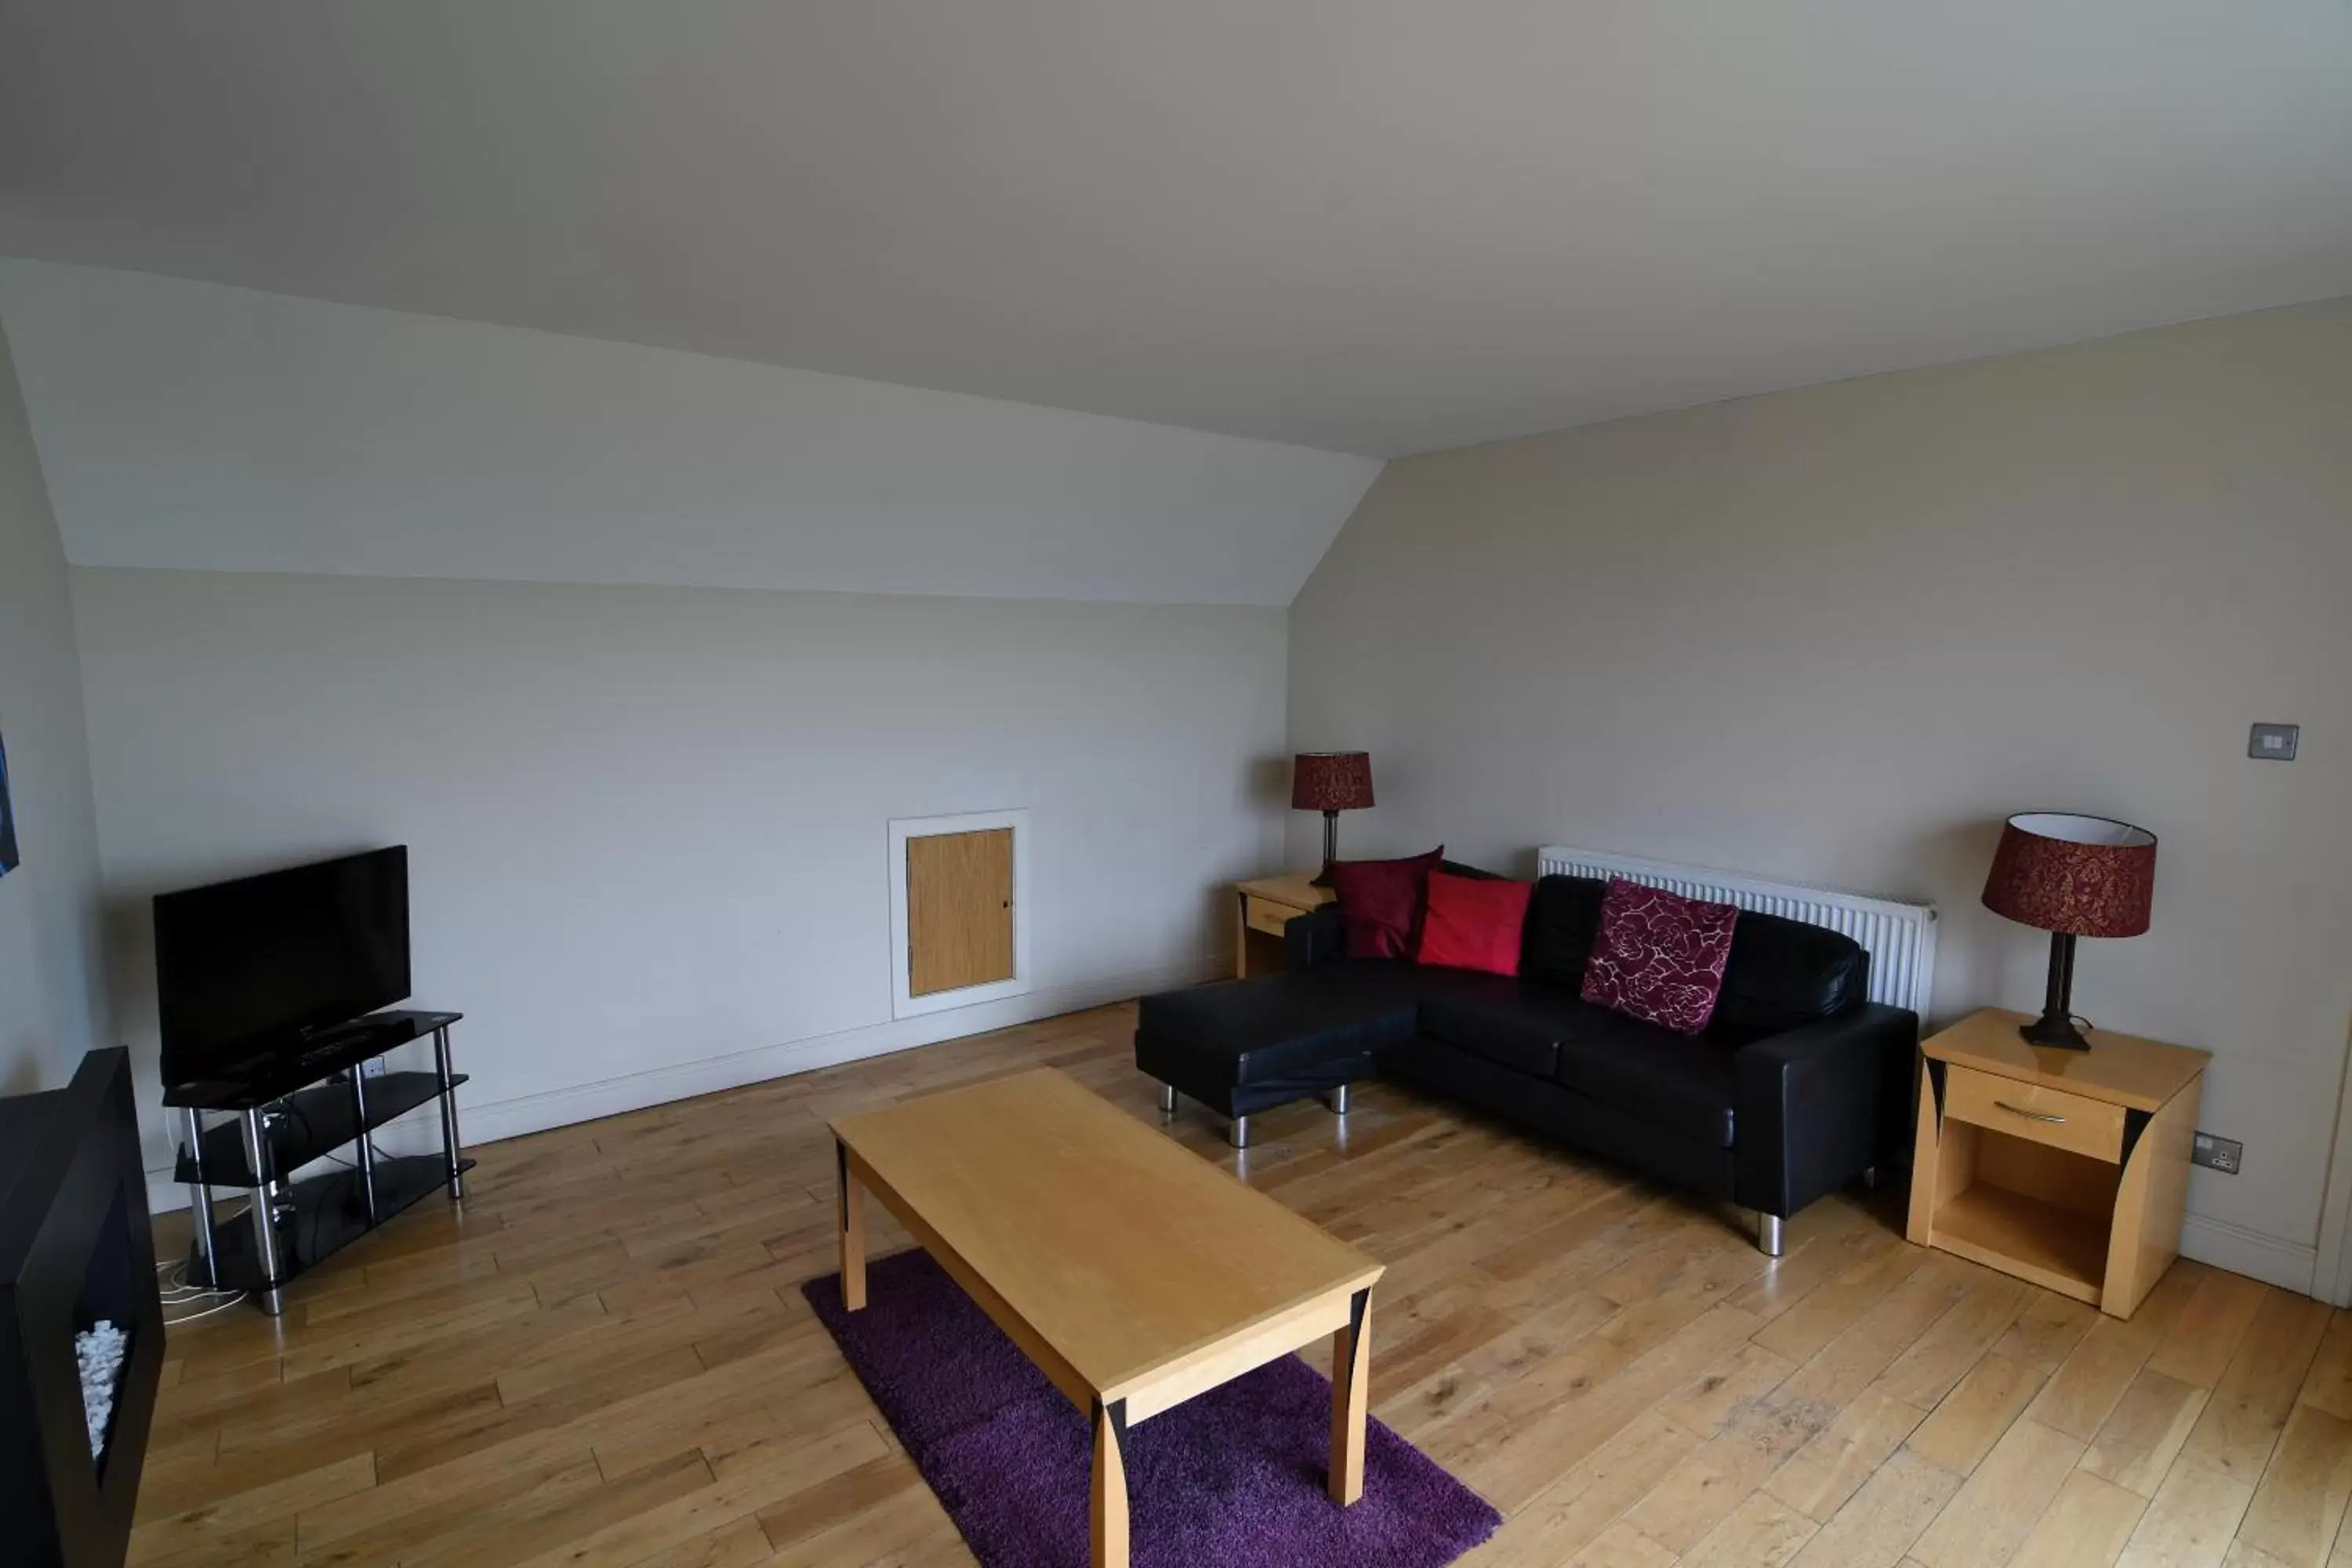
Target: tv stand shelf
(289, 1109)
(323, 1215)
(308, 1124)
(273, 1074)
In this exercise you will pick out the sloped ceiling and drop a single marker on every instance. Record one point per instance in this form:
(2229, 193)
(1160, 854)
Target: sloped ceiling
(1361, 225)
(191, 426)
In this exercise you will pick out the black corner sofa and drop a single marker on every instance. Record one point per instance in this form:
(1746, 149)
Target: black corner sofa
(1797, 1086)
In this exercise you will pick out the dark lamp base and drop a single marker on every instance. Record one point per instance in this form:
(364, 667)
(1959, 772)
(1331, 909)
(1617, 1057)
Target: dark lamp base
(2055, 1031)
(2055, 1028)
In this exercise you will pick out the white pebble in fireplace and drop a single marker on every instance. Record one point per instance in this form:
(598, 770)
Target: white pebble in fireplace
(102, 1351)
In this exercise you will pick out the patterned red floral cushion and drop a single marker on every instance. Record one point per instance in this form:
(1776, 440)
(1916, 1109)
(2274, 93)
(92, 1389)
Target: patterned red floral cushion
(1659, 956)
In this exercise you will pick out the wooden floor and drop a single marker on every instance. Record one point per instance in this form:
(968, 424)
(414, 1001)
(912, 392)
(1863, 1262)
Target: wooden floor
(605, 1361)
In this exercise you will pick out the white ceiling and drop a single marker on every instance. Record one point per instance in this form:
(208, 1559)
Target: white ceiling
(1360, 225)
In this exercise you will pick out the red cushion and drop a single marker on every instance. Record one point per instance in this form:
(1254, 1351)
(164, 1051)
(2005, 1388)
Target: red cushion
(1381, 901)
(1659, 956)
(1473, 922)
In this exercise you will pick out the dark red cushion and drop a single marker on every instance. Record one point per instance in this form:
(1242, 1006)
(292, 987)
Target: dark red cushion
(1659, 956)
(1380, 902)
(1474, 923)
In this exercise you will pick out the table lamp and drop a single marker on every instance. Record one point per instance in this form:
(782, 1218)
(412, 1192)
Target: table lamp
(1330, 782)
(2071, 876)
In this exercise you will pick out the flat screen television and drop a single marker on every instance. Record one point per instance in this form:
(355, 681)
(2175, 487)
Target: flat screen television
(258, 968)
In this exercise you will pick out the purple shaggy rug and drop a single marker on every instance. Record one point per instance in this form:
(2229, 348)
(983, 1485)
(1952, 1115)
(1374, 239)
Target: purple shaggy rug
(1234, 1478)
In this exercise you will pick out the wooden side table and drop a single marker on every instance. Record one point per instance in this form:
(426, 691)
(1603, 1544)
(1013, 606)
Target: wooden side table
(2066, 1168)
(1263, 908)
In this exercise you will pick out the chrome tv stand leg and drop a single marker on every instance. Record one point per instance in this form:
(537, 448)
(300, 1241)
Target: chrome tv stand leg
(364, 1146)
(448, 1114)
(200, 1198)
(271, 1297)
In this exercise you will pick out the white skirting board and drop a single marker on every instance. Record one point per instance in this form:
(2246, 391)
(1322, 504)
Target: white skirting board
(2290, 1266)
(490, 1122)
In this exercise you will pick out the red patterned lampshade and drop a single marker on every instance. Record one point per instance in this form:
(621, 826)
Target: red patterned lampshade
(2082, 875)
(1332, 780)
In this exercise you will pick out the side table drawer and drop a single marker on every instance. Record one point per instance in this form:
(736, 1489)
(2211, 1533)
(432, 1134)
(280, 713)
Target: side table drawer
(1267, 917)
(2051, 1116)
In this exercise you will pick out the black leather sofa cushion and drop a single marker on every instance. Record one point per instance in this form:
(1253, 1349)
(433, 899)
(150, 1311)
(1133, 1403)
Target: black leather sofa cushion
(1210, 1081)
(1783, 973)
(1563, 920)
(1683, 1084)
(1517, 1023)
(1700, 1166)
(1272, 1025)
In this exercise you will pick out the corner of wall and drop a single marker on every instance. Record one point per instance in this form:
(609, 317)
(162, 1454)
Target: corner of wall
(53, 999)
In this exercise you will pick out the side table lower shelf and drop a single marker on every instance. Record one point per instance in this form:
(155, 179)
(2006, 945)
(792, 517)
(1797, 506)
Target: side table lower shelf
(2061, 1248)
(325, 1214)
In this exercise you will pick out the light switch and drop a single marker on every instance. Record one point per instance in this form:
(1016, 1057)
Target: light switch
(2275, 742)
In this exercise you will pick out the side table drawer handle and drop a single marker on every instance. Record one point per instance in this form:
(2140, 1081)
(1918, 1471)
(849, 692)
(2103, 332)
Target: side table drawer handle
(2029, 1115)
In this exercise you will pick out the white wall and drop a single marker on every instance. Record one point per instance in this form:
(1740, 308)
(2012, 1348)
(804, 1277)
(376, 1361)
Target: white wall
(52, 996)
(648, 819)
(647, 825)
(187, 424)
(1838, 633)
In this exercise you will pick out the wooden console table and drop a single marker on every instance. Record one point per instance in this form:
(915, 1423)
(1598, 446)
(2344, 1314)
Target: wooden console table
(1264, 908)
(2066, 1168)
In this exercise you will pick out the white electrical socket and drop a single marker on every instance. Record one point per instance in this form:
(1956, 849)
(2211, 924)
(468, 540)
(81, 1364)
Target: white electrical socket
(373, 1067)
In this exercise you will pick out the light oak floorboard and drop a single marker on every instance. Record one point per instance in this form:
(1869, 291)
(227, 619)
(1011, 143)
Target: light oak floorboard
(2086, 1526)
(2299, 1505)
(2191, 1521)
(2145, 1433)
(2002, 1501)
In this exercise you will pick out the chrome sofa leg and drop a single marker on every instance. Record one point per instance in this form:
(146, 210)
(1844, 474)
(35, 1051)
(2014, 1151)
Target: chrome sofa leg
(1237, 1132)
(1337, 1099)
(1768, 1234)
(1870, 1177)
(1166, 1099)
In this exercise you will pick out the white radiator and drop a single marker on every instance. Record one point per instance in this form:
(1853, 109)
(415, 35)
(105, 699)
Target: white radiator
(1900, 938)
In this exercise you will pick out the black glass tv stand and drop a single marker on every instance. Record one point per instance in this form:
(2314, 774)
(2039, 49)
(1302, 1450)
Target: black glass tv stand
(288, 1110)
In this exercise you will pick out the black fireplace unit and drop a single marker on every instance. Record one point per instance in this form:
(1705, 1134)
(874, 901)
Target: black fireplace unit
(76, 1252)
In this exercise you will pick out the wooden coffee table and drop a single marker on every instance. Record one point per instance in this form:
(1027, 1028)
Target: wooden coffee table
(1133, 1272)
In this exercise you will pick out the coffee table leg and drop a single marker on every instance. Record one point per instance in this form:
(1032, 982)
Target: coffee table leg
(853, 1231)
(1108, 1522)
(1351, 1376)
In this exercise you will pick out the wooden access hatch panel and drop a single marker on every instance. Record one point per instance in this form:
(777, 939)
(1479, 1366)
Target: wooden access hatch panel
(959, 910)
